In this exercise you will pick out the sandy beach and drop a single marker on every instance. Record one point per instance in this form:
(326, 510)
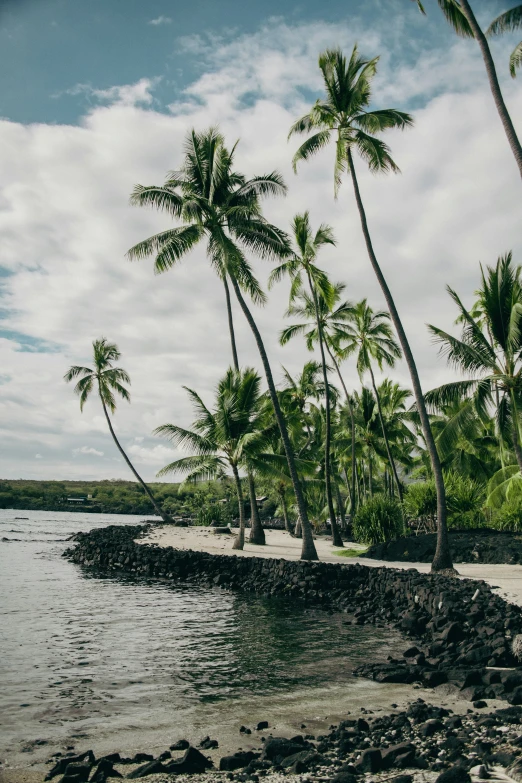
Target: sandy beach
(505, 579)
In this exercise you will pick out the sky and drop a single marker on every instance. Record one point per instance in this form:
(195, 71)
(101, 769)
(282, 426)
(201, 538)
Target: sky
(96, 97)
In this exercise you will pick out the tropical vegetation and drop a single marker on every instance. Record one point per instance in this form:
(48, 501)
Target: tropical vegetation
(337, 445)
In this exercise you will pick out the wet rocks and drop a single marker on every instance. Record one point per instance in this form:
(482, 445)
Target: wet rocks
(192, 762)
(458, 629)
(60, 767)
(237, 760)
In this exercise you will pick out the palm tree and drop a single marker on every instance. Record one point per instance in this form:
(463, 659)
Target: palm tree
(226, 437)
(301, 263)
(216, 204)
(490, 353)
(507, 22)
(107, 380)
(333, 315)
(369, 335)
(344, 115)
(461, 17)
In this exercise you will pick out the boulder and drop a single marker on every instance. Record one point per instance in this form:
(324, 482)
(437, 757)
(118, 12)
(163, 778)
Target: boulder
(192, 762)
(62, 764)
(237, 760)
(151, 768)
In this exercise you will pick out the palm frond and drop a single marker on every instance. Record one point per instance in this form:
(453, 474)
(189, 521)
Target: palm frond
(163, 198)
(312, 145)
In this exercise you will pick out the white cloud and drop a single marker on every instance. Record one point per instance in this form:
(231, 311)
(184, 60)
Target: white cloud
(66, 224)
(136, 94)
(156, 455)
(160, 20)
(88, 450)
(38, 456)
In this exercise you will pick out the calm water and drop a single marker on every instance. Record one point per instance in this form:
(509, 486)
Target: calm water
(100, 662)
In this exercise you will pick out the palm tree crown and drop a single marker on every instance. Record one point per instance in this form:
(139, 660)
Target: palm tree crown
(214, 203)
(490, 353)
(108, 379)
(507, 22)
(229, 437)
(343, 116)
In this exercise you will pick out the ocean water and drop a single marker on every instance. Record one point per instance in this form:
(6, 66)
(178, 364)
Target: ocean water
(115, 663)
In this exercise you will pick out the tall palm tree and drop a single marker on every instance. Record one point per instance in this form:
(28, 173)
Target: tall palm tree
(302, 264)
(226, 437)
(333, 314)
(490, 353)
(217, 204)
(461, 17)
(344, 115)
(507, 22)
(108, 380)
(369, 335)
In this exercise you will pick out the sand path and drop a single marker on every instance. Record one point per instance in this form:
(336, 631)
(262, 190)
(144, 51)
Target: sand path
(505, 579)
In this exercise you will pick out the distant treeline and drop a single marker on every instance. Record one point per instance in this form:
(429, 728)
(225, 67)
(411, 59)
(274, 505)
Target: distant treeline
(214, 499)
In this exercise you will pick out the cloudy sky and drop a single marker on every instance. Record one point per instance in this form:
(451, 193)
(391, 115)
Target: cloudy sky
(98, 96)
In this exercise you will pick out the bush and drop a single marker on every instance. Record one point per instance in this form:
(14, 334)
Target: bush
(378, 520)
(509, 516)
(420, 502)
(465, 499)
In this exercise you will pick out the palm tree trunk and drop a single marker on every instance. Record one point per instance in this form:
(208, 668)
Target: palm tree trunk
(352, 425)
(257, 534)
(340, 507)
(385, 436)
(298, 530)
(309, 551)
(442, 559)
(336, 535)
(165, 517)
(239, 541)
(284, 509)
(509, 128)
(231, 325)
(370, 474)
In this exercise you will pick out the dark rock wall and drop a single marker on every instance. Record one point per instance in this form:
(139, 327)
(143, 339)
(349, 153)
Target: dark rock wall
(459, 626)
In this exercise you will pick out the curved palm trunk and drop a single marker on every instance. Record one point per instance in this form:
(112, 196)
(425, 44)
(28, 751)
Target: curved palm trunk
(442, 559)
(352, 427)
(509, 128)
(309, 551)
(239, 541)
(231, 325)
(336, 535)
(165, 517)
(257, 534)
(298, 530)
(385, 436)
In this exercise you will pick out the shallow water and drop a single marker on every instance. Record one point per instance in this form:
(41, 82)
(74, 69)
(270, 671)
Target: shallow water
(111, 662)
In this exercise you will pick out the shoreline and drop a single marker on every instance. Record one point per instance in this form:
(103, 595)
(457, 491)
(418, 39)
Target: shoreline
(424, 607)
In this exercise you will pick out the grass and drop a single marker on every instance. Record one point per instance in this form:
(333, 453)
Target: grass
(351, 552)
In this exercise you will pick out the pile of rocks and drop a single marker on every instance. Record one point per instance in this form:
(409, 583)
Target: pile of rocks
(467, 546)
(422, 737)
(459, 627)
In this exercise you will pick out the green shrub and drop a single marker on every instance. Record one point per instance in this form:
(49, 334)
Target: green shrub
(378, 520)
(420, 502)
(509, 516)
(465, 499)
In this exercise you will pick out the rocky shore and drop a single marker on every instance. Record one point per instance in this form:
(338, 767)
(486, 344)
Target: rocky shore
(467, 546)
(422, 742)
(458, 634)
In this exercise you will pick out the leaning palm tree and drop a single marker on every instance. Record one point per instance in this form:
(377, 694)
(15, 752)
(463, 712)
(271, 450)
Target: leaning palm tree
(370, 337)
(301, 267)
(226, 437)
(461, 17)
(507, 22)
(490, 353)
(108, 380)
(344, 115)
(219, 206)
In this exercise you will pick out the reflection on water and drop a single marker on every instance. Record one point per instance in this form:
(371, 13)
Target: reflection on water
(82, 656)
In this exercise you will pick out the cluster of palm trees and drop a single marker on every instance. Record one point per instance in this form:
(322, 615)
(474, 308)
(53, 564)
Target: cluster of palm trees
(314, 442)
